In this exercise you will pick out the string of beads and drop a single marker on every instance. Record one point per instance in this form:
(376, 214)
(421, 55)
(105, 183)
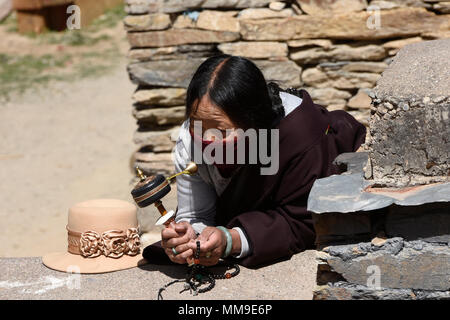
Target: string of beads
(199, 275)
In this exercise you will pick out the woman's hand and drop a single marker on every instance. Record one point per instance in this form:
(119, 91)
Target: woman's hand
(179, 236)
(212, 245)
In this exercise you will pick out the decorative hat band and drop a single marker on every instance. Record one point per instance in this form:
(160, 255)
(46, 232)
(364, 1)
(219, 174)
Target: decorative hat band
(113, 243)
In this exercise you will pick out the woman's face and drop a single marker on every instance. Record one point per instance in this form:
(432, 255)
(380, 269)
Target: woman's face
(211, 117)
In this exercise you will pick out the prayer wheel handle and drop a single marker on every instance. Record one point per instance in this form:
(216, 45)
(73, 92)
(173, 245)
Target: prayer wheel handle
(190, 170)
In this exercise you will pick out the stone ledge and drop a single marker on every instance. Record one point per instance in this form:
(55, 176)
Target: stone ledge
(345, 291)
(415, 265)
(350, 192)
(28, 278)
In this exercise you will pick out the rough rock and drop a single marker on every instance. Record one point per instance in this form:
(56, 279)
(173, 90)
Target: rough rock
(218, 21)
(328, 94)
(264, 13)
(319, 78)
(277, 5)
(137, 7)
(442, 7)
(173, 37)
(154, 21)
(401, 22)
(165, 97)
(426, 269)
(330, 98)
(296, 9)
(155, 163)
(161, 116)
(362, 116)
(384, 4)
(158, 141)
(395, 45)
(141, 54)
(285, 73)
(334, 105)
(354, 66)
(360, 101)
(305, 43)
(178, 73)
(390, 4)
(437, 34)
(169, 6)
(184, 22)
(350, 192)
(379, 240)
(339, 53)
(323, 7)
(254, 49)
(170, 73)
(403, 3)
(182, 52)
(412, 101)
(346, 291)
(364, 66)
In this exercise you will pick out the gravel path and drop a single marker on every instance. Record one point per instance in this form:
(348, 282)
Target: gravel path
(62, 144)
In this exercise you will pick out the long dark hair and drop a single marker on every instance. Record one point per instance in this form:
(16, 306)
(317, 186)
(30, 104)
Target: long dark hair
(237, 86)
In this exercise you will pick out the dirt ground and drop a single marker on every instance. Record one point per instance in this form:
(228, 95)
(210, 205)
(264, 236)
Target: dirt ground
(61, 143)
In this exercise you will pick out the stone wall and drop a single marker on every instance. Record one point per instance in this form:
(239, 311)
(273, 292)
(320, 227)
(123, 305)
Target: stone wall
(405, 249)
(383, 226)
(334, 49)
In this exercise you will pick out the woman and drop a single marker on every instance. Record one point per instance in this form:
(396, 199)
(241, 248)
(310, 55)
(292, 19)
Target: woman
(234, 210)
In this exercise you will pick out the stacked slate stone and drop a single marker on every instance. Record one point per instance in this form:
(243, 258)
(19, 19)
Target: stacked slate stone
(334, 49)
(383, 227)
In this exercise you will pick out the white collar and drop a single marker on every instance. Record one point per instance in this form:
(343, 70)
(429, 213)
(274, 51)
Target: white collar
(290, 102)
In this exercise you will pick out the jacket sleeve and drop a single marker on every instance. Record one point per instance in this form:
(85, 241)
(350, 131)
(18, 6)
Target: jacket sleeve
(285, 228)
(196, 199)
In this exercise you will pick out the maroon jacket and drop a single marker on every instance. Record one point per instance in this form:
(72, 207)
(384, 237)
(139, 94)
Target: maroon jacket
(271, 209)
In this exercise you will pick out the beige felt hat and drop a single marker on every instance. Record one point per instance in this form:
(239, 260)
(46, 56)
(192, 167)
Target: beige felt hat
(103, 236)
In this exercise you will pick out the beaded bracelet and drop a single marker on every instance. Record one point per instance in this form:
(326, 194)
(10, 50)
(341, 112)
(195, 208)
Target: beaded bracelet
(229, 241)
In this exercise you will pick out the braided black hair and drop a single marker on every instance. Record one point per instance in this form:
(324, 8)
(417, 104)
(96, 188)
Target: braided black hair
(274, 93)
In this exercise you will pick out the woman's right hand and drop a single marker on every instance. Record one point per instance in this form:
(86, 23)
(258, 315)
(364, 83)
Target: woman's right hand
(178, 236)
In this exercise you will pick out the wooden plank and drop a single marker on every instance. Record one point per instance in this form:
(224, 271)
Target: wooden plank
(38, 4)
(34, 16)
(93, 9)
(31, 21)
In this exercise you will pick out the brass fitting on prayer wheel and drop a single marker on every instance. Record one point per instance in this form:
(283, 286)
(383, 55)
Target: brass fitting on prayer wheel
(150, 190)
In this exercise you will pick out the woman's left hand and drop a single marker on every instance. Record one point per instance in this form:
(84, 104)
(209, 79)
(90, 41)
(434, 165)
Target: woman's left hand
(212, 246)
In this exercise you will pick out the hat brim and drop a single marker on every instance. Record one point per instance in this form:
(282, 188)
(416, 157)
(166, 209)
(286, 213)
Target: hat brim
(68, 262)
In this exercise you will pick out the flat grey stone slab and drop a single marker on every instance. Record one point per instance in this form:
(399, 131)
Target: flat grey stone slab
(28, 278)
(346, 192)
